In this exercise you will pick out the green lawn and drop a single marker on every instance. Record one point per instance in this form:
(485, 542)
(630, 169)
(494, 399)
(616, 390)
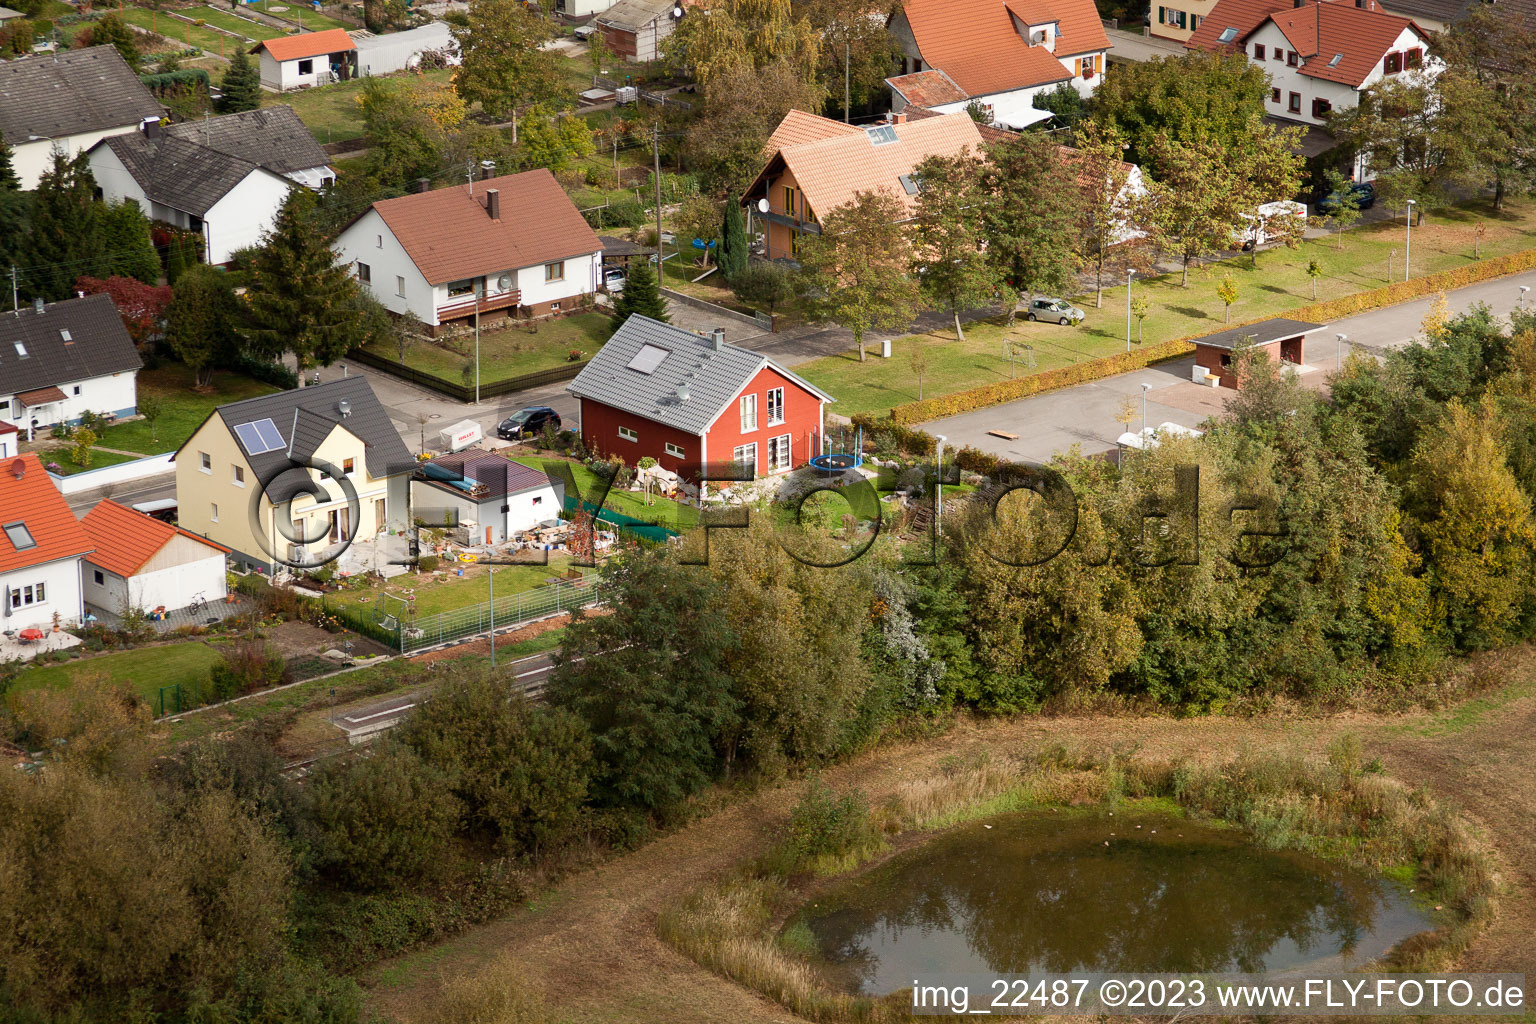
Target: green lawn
(185, 408)
(331, 112)
(179, 31)
(234, 23)
(672, 514)
(64, 458)
(299, 12)
(1278, 284)
(510, 351)
(433, 594)
(145, 670)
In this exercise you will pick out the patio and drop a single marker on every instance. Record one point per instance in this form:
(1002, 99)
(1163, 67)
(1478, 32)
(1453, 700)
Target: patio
(12, 648)
(209, 614)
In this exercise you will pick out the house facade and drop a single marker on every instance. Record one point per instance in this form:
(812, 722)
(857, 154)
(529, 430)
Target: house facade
(307, 59)
(1178, 19)
(41, 546)
(140, 563)
(508, 246)
(500, 497)
(229, 200)
(294, 477)
(689, 401)
(64, 359)
(272, 137)
(1321, 55)
(67, 102)
(633, 29)
(1000, 54)
(400, 51)
(817, 164)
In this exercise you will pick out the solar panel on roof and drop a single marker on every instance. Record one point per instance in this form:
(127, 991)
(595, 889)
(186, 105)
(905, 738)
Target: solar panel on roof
(648, 358)
(259, 437)
(881, 135)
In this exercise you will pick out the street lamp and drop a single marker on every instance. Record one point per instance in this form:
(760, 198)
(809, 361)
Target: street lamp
(1144, 389)
(1130, 275)
(1338, 356)
(1408, 254)
(938, 488)
(1523, 289)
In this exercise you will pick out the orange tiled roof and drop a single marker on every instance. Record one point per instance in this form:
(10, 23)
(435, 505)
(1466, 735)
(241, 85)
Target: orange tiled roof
(928, 89)
(28, 497)
(126, 539)
(449, 236)
(831, 171)
(976, 44)
(1321, 31)
(798, 127)
(307, 44)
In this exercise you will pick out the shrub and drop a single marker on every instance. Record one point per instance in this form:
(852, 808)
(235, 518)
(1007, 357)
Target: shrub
(822, 827)
(428, 563)
(246, 668)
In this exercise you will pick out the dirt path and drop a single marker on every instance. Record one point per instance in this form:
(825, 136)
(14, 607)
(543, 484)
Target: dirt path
(591, 946)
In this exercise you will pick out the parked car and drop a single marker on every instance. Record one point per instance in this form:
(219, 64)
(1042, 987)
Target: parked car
(1364, 192)
(613, 279)
(1266, 222)
(527, 423)
(584, 32)
(1059, 310)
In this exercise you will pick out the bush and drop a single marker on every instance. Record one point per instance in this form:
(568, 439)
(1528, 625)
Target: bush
(626, 213)
(823, 827)
(246, 668)
(428, 563)
(383, 820)
(268, 373)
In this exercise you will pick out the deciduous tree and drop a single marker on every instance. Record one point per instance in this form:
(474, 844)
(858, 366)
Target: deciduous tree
(504, 66)
(742, 106)
(1196, 207)
(141, 306)
(1030, 214)
(1104, 213)
(858, 268)
(1489, 93)
(950, 247)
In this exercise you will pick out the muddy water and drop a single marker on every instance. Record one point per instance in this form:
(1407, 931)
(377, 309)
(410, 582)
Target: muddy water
(1089, 892)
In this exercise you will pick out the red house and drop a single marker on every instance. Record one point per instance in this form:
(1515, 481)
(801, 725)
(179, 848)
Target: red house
(688, 400)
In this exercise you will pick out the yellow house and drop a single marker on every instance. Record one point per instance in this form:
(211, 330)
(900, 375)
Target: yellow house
(295, 478)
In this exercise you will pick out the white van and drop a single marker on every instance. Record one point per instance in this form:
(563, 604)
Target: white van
(1272, 221)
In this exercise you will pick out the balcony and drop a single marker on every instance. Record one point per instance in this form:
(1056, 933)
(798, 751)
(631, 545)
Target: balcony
(462, 306)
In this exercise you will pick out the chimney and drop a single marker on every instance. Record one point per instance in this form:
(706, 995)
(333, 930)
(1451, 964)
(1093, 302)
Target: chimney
(152, 129)
(37, 305)
(900, 118)
(717, 336)
(423, 184)
(487, 169)
(493, 203)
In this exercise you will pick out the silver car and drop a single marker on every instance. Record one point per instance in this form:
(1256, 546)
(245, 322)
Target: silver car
(1059, 310)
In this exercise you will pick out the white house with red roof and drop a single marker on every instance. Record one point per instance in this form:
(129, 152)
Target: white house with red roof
(1320, 55)
(307, 59)
(999, 54)
(689, 401)
(41, 546)
(142, 563)
(511, 245)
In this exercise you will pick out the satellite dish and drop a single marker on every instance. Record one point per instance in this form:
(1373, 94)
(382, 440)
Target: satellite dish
(677, 12)
(762, 206)
(504, 282)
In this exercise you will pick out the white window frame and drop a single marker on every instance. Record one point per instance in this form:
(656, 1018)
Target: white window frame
(237, 476)
(775, 464)
(674, 450)
(213, 511)
(748, 413)
(629, 434)
(29, 595)
(400, 286)
(740, 453)
(205, 462)
(77, 391)
(775, 405)
(309, 61)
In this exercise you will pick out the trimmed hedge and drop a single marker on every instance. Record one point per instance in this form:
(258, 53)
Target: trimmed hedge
(1123, 362)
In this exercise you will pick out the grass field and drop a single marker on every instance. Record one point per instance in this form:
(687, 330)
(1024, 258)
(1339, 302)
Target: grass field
(299, 12)
(433, 594)
(511, 351)
(671, 514)
(234, 23)
(331, 112)
(64, 458)
(1278, 283)
(145, 670)
(180, 31)
(185, 409)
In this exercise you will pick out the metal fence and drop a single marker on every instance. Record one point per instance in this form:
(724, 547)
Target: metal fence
(511, 610)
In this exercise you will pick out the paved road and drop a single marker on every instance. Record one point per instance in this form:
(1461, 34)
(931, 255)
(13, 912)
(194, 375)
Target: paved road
(1085, 415)
(1133, 46)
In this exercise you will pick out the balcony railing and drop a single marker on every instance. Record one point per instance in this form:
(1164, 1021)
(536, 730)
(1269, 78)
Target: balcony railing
(466, 306)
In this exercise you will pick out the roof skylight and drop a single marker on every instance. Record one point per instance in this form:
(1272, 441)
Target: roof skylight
(881, 135)
(648, 358)
(1336, 58)
(909, 183)
(1227, 35)
(19, 536)
(259, 437)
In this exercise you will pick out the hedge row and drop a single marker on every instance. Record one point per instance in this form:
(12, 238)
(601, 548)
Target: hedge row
(1124, 362)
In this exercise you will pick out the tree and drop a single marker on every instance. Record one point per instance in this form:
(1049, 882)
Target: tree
(404, 142)
(764, 284)
(742, 107)
(112, 31)
(950, 252)
(641, 295)
(1344, 199)
(553, 140)
(1103, 210)
(722, 39)
(81, 442)
(1403, 128)
(917, 359)
(734, 248)
(66, 236)
(1029, 220)
(9, 182)
(130, 249)
(857, 268)
(151, 408)
(1314, 271)
(1196, 207)
(201, 321)
(856, 51)
(650, 683)
(1065, 103)
(597, 53)
(1196, 95)
(504, 66)
(1140, 309)
(698, 220)
(1488, 89)
(1227, 292)
(141, 306)
(301, 299)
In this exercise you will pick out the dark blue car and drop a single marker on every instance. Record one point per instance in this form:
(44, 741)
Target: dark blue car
(1363, 191)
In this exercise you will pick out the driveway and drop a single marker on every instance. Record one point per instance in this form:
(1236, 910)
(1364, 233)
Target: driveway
(1085, 415)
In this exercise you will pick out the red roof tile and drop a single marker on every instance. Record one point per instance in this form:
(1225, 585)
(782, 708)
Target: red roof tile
(928, 89)
(28, 497)
(976, 44)
(798, 127)
(1243, 16)
(307, 44)
(449, 236)
(1321, 31)
(126, 539)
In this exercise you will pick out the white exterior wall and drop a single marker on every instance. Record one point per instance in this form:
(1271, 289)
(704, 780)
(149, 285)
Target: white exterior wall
(61, 590)
(581, 277)
(243, 215)
(113, 392)
(370, 241)
(525, 509)
(582, 8)
(113, 179)
(172, 587)
(1086, 86)
(1343, 97)
(31, 159)
(284, 75)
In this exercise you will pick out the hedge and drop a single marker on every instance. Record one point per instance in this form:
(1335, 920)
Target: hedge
(158, 84)
(1124, 362)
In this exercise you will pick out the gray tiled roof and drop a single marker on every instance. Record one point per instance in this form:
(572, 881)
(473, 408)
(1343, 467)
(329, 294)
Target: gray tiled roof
(98, 344)
(1261, 333)
(711, 378)
(305, 417)
(273, 137)
(180, 174)
(634, 15)
(500, 476)
(54, 95)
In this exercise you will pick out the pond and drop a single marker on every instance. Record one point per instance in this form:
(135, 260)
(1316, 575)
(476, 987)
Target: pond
(1073, 892)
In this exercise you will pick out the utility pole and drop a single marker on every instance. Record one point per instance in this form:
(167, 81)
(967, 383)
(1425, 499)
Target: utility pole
(616, 182)
(661, 266)
(15, 303)
(479, 284)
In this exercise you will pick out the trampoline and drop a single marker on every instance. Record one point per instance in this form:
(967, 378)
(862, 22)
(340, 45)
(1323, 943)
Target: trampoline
(836, 463)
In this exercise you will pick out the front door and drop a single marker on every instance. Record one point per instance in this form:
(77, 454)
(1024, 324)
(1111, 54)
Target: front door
(379, 518)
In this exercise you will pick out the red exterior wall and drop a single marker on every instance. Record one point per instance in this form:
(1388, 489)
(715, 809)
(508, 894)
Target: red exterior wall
(600, 431)
(1210, 357)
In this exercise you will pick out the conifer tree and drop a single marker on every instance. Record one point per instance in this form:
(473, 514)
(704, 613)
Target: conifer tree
(733, 243)
(66, 236)
(130, 250)
(641, 294)
(9, 182)
(241, 87)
